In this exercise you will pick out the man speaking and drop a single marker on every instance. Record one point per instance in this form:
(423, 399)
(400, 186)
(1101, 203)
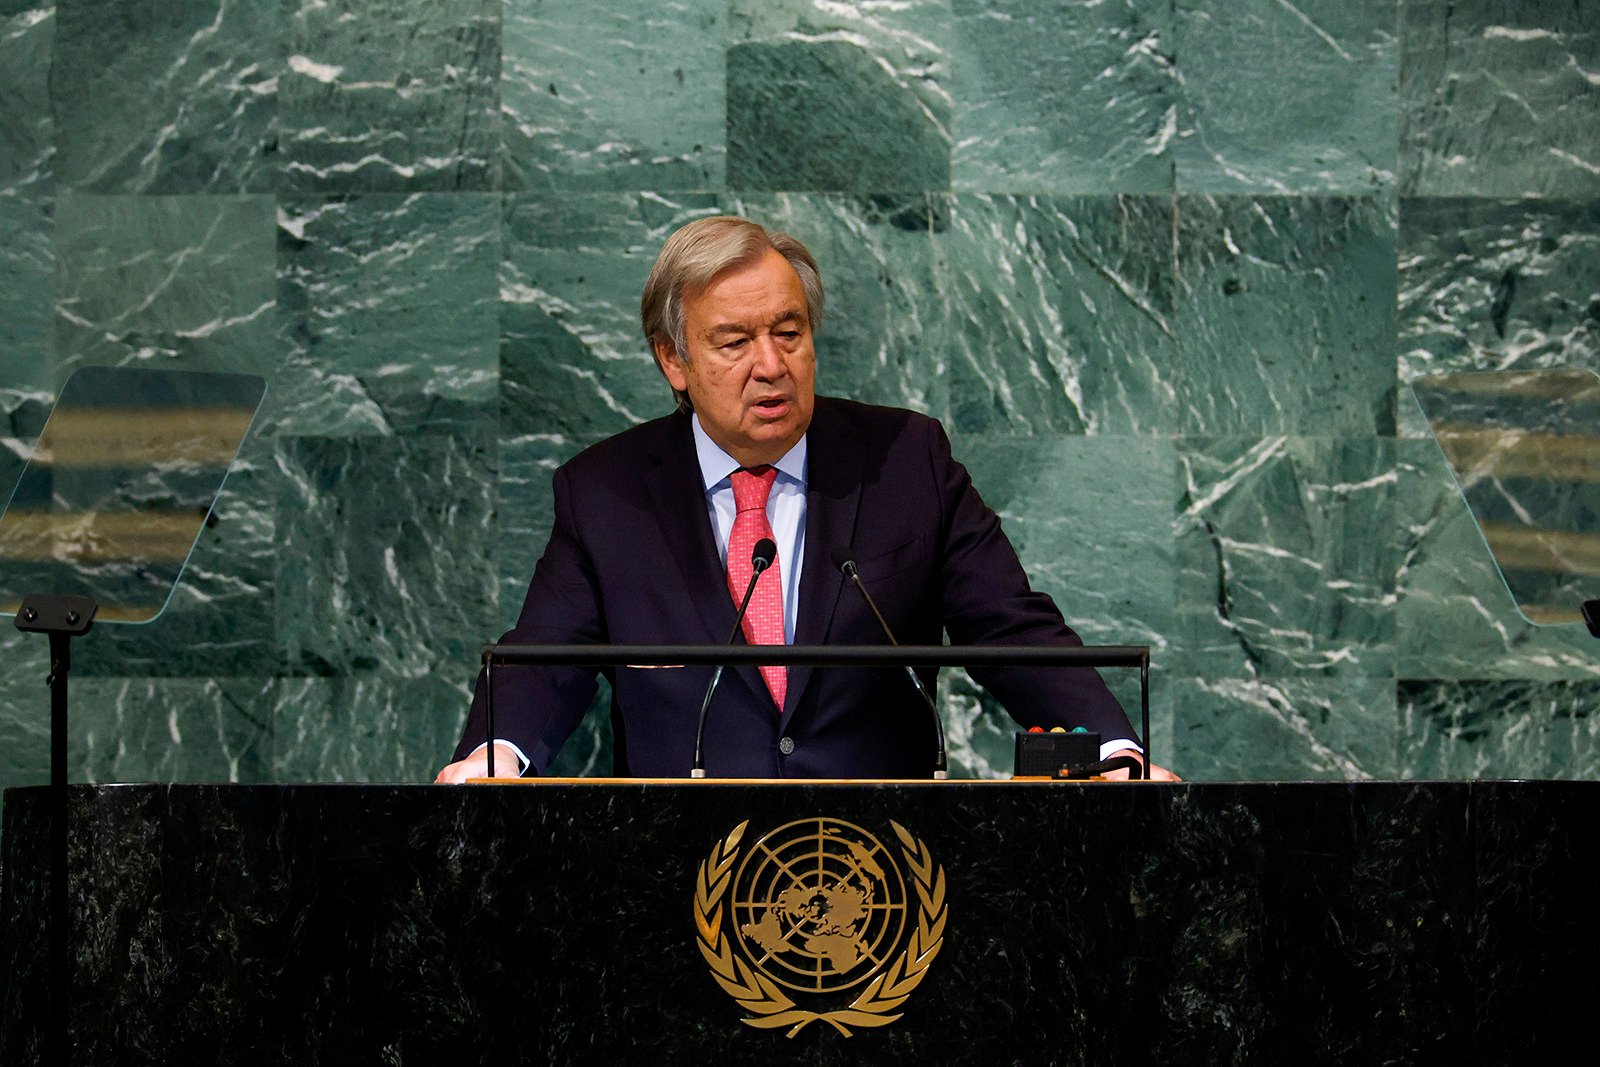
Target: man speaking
(653, 538)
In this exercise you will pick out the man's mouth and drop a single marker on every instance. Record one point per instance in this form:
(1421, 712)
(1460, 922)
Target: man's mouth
(772, 405)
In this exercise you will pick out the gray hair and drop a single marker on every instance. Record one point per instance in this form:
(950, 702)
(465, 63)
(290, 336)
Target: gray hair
(695, 255)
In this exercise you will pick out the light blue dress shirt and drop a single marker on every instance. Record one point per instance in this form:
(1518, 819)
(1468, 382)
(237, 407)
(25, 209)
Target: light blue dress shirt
(786, 511)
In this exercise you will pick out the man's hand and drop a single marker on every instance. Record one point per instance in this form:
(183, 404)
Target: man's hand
(1157, 774)
(506, 765)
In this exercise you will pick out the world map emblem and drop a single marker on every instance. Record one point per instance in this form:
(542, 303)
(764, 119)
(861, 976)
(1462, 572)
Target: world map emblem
(819, 921)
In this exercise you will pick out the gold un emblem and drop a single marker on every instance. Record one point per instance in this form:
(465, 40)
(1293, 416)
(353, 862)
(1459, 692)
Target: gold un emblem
(814, 911)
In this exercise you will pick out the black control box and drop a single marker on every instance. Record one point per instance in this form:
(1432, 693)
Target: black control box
(1044, 755)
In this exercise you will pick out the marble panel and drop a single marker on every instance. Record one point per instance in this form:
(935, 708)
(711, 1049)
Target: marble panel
(166, 96)
(24, 707)
(369, 727)
(1285, 316)
(386, 555)
(1060, 314)
(1380, 894)
(1454, 617)
(221, 619)
(836, 97)
(1496, 285)
(613, 95)
(117, 950)
(1286, 558)
(27, 319)
(217, 729)
(1091, 520)
(1499, 729)
(27, 136)
(572, 358)
(24, 961)
(1286, 98)
(1499, 98)
(181, 283)
(1243, 728)
(390, 312)
(391, 96)
(878, 340)
(1068, 96)
(1199, 923)
(1536, 886)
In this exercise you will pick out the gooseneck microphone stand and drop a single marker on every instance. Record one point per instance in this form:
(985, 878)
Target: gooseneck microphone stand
(941, 768)
(761, 558)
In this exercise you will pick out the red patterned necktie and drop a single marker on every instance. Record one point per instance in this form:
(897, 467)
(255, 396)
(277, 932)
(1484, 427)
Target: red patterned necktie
(763, 623)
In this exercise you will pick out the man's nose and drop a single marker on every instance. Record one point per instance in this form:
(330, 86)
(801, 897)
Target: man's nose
(769, 361)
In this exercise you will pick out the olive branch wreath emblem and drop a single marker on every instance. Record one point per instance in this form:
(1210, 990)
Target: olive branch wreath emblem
(769, 1006)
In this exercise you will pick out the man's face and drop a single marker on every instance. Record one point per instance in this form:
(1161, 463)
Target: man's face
(751, 371)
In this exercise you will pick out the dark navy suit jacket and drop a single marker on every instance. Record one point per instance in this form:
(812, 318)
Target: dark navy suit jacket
(633, 560)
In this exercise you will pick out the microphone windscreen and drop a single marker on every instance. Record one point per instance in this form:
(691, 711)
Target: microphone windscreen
(765, 552)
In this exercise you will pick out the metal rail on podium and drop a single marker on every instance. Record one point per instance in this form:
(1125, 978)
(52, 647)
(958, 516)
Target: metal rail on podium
(846, 656)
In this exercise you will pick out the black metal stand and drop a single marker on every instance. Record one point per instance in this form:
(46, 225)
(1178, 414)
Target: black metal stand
(62, 618)
(488, 709)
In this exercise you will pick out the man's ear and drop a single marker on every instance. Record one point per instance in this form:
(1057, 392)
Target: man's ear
(671, 366)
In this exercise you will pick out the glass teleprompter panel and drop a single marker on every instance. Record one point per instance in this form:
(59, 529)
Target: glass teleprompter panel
(120, 484)
(1525, 450)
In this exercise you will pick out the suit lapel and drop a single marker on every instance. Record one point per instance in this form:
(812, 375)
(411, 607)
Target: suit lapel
(833, 492)
(678, 501)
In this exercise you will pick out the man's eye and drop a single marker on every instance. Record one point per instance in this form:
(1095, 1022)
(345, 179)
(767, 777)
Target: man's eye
(735, 345)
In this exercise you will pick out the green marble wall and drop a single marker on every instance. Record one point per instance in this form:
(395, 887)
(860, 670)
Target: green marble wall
(1163, 269)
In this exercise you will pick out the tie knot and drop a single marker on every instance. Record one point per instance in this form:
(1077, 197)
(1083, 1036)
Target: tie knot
(752, 486)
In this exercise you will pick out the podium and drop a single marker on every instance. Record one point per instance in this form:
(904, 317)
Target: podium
(584, 921)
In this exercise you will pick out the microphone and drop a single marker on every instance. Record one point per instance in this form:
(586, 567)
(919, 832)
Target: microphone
(848, 567)
(761, 558)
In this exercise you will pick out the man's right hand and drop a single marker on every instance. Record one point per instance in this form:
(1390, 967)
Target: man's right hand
(506, 765)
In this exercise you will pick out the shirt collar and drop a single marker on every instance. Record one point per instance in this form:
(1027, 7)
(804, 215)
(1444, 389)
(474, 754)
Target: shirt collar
(716, 465)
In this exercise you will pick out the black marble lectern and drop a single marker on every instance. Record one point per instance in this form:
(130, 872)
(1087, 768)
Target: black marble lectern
(936, 922)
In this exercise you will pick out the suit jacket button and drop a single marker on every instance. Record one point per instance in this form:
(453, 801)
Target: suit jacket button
(786, 746)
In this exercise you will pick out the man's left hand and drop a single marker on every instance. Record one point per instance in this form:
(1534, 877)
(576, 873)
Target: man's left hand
(1157, 773)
